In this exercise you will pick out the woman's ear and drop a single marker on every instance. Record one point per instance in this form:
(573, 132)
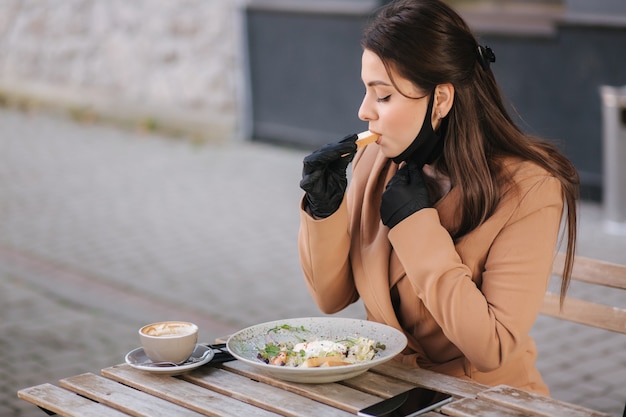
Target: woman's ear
(444, 98)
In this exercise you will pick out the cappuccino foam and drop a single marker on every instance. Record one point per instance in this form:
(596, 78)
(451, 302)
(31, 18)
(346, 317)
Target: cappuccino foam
(168, 330)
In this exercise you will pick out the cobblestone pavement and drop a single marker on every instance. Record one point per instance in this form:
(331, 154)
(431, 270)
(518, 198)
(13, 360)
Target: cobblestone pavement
(103, 230)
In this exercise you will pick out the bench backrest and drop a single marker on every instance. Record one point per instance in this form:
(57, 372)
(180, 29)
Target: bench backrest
(590, 313)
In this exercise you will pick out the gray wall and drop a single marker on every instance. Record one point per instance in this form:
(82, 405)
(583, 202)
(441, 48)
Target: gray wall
(176, 62)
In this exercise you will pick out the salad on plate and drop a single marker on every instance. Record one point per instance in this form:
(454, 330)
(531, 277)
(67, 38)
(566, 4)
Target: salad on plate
(306, 350)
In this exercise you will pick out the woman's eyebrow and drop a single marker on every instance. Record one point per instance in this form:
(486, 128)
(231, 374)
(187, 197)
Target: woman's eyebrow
(378, 82)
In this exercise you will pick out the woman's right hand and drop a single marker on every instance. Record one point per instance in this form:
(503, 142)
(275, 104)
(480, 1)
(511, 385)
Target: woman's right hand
(324, 176)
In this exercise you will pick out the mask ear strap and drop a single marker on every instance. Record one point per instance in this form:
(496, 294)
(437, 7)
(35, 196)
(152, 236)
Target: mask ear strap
(423, 145)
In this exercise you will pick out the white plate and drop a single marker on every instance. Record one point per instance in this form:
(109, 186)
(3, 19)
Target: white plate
(245, 345)
(137, 358)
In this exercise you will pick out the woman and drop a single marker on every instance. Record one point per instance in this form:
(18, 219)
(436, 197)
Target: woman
(449, 226)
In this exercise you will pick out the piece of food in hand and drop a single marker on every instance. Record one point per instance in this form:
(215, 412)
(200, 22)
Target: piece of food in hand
(365, 138)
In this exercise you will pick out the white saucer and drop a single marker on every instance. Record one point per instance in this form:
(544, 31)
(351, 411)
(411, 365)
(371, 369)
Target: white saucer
(137, 357)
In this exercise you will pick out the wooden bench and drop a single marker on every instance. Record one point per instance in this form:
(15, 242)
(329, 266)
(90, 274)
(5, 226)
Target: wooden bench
(595, 272)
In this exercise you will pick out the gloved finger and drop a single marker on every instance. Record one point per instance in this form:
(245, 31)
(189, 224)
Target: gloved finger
(310, 180)
(332, 151)
(347, 145)
(350, 142)
(350, 139)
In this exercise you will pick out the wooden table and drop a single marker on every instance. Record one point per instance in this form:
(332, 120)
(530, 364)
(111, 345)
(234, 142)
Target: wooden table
(236, 389)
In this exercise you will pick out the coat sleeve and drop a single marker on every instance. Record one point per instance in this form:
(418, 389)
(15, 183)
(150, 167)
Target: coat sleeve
(489, 317)
(324, 247)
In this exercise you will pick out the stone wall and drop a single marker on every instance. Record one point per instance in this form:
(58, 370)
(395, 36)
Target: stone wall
(174, 63)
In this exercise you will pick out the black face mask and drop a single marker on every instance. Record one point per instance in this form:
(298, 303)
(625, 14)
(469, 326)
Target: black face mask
(427, 146)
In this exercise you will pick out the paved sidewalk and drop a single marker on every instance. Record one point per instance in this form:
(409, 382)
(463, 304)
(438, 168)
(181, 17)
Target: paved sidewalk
(103, 230)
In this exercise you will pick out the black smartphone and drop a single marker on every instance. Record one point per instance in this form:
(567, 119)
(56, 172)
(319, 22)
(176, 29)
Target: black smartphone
(410, 403)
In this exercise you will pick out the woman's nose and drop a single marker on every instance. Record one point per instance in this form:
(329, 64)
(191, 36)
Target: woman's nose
(365, 112)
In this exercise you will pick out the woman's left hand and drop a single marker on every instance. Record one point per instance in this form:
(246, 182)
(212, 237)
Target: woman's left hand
(404, 195)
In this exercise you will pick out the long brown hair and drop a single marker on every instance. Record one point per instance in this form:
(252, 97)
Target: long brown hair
(427, 42)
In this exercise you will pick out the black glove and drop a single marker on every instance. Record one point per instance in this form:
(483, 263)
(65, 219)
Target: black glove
(324, 176)
(404, 195)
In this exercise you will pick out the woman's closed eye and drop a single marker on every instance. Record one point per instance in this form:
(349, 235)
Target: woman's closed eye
(383, 99)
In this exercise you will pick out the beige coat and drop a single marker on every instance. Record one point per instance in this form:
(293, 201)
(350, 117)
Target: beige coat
(466, 307)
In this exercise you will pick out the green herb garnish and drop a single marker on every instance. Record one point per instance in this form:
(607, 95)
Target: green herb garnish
(288, 328)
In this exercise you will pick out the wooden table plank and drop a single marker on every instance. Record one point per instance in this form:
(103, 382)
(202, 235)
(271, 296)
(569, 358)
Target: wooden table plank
(337, 395)
(378, 384)
(429, 379)
(123, 398)
(262, 395)
(183, 393)
(65, 403)
(535, 404)
(472, 407)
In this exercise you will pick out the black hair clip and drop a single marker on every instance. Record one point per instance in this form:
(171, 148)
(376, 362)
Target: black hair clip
(485, 56)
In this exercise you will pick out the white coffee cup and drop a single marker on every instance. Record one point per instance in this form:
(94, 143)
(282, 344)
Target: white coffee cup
(169, 341)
